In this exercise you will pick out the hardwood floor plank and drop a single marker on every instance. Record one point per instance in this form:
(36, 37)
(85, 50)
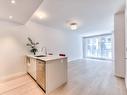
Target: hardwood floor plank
(85, 77)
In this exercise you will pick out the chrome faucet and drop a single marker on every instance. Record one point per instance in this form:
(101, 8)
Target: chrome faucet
(44, 51)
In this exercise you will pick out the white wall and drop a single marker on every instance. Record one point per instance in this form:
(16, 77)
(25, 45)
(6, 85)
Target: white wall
(57, 41)
(11, 51)
(13, 38)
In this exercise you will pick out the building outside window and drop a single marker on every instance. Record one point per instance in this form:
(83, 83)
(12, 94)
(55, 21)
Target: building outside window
(98, 47)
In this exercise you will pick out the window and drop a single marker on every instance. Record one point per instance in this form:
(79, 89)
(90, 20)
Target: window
(98, 47)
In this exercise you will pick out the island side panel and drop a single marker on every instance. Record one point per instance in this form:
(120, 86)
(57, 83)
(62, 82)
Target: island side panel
(56, 74)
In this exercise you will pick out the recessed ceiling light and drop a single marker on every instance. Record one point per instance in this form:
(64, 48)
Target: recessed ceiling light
(10, 17)
(41, 15)
(13, 1)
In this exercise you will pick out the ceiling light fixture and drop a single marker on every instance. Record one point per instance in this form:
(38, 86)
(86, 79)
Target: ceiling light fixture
(41, 15)
(73, 26)
(13, 1)
(10, 17)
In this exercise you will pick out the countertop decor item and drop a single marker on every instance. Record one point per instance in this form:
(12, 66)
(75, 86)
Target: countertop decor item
(32, 45)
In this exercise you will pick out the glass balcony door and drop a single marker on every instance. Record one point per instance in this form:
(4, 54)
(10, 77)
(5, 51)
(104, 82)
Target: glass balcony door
(98, 47)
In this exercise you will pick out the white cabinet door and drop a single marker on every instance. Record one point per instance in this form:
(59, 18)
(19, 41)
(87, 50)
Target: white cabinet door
(126, 42)
(119, 44)
(126, 74)
(31, 67)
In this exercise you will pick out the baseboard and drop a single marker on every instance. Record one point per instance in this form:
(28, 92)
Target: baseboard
(13, 76)
(73, 60)
(120, 76)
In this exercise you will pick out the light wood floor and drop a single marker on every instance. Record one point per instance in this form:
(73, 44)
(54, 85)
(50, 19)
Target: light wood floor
(85, 77)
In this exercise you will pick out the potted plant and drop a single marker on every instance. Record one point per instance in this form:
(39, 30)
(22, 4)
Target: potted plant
(32, 45)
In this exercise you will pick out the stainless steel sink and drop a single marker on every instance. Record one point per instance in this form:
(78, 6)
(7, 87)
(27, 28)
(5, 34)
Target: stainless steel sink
(40, 56)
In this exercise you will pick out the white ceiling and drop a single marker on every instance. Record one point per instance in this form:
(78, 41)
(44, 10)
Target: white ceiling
(93, 15)
(21, 11)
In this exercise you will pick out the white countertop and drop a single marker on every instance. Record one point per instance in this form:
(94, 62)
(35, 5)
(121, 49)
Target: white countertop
(48, 58)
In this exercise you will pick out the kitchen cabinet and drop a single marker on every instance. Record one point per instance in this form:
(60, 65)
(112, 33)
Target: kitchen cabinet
(119, 44)
(56, 73)
(126, 74)
(31, 67)
(49, 72)
(126, 42)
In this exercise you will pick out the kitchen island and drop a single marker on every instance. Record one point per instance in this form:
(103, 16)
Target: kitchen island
(49, 72)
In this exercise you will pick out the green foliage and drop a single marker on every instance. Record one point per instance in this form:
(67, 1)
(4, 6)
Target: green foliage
(32, 45)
